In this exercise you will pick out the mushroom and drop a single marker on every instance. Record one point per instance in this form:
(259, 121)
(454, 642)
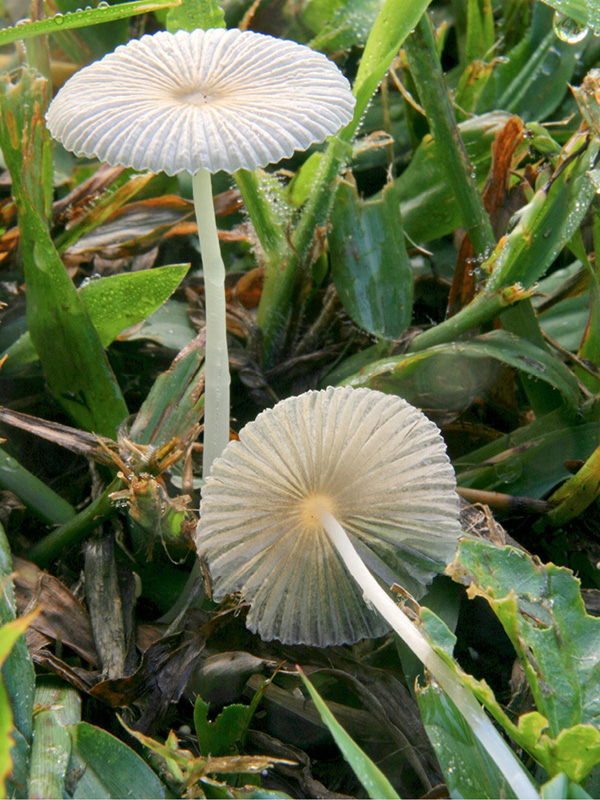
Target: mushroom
(320, 492)
(201, 102)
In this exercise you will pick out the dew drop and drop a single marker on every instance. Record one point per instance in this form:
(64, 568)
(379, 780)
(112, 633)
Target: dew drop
(58, 19)
(568, 29)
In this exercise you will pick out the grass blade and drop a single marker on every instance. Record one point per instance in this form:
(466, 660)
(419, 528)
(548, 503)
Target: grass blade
(371, 777)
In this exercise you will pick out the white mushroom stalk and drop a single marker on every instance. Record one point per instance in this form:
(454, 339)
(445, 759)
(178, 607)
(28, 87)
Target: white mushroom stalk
(201, 102)
(322, 491)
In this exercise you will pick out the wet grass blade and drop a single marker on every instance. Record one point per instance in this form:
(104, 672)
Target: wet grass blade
(82, 18)
(368, 773)
(392, 25)
(427, 375)
(530, 461)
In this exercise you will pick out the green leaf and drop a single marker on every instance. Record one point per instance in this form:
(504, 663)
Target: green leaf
(17, 671)
(560, 787)
(13, 746)
(347, 26)
(370, 266)
(72, 356)
(34, 493)
(429, 208)
(590, 343)
(530, 460)
(6, 740)
(58, 705)
(541, 609)
(574, 750)
(480, 29)
(192, 14)
(545, 225)
(174, 404)
(113, 304)
(585, 12)
(82, 18)
(450, 376)
(64, 337)
(221, 737)
(371, 777)
(394, 22)
(468, 770)
(103, 767)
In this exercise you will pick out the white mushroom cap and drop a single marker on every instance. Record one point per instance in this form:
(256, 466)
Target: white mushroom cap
(380, 468)
(218, 99)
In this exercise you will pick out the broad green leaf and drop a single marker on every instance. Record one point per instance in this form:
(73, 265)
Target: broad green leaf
(429, 209)
(220, 737)
(368, 773)
(103, 767)
(468, 770)
(169, 326)
(17, 671)
(114, 303)
(533, 80)
(370, 266)
(82, 18)
(450, 376)
(530, 461)
(574, 750)
(541, 609)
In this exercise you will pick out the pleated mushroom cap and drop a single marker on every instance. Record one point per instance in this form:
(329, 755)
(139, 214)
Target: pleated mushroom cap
(376, 463)
(218, 99)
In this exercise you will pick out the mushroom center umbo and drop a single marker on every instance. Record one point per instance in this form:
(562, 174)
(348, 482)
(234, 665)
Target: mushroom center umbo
(312, 507)
(198, 95)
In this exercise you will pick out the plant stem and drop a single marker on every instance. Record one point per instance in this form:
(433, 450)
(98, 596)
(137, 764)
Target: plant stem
(427, 73)
(280, 280)
(481, 309)
(216, 370)
(77, 528)
(482, 727)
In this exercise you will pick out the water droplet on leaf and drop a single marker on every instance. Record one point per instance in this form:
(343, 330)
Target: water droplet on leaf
(568, 29)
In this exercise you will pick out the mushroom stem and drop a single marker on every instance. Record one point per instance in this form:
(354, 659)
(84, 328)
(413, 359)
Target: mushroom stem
(462, 697)
(216, 370)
